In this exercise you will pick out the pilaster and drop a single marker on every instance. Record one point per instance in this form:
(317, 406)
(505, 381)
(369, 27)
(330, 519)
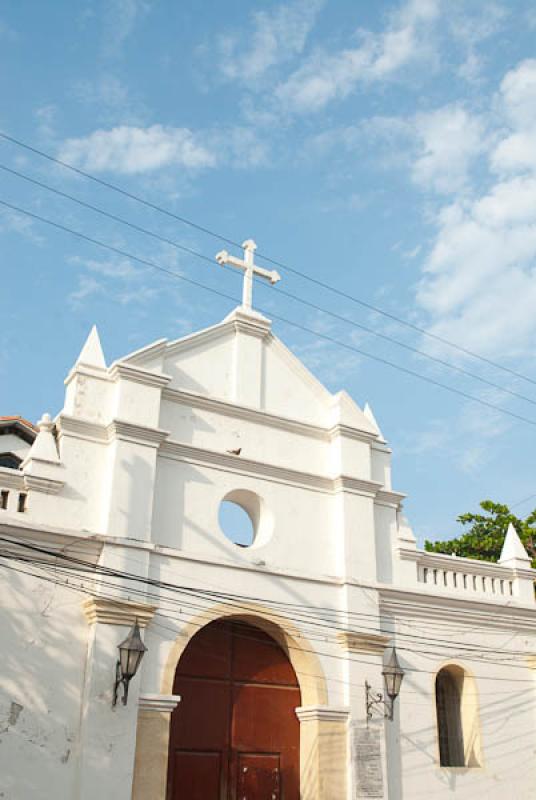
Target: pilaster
(152, 745)
(107, 736)
(323, 752)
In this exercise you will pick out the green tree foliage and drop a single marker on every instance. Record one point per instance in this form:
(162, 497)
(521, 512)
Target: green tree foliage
(484, 534)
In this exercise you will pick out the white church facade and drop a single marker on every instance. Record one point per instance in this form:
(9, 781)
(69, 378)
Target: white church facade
(263, 663)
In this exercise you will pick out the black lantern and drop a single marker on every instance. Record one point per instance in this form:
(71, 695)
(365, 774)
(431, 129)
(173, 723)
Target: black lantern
(131, 652)
(393, 675)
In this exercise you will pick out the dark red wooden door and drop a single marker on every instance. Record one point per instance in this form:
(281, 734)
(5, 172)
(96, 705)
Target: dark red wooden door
(235, 734)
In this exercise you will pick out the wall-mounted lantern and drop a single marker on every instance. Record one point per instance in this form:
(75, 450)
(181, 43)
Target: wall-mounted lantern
(393, 675)
(131, 652)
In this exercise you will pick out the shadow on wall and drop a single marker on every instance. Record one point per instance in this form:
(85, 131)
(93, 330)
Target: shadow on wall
(44, 641)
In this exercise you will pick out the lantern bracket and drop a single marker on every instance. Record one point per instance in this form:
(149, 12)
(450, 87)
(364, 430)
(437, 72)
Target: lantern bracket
(119, 679)
(375, 700)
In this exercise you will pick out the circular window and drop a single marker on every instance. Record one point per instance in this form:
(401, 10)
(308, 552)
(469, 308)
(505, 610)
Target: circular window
(244, 518)
(236, 523)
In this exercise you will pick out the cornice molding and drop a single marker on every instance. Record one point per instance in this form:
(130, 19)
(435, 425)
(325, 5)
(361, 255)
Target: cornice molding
(99, 373)
(250, 324)
(116, 429)
(244, 466)
(347, 483)
(405, 602)
(11, 479)
(193, 340)
(351, 433)
(120, 369)
(164, 703)
(139, 434)
(79, 428)
(323, 714)
(354, 642)
(407, 553)
(117, 612)
(260, 417)
(247, 413)
(38, 483)
(190, 453)
(387, 497)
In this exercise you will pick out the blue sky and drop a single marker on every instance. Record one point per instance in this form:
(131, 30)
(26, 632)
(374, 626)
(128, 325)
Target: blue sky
(386, 148)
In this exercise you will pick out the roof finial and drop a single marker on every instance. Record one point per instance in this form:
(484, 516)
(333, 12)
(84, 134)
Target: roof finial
(249, 268)
(91, 353)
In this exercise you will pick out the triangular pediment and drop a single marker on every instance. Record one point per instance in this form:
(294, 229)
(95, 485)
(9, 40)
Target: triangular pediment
(240, 360)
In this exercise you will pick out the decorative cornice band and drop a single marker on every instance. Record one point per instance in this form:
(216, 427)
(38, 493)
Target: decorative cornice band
(139, 375)
(89, 371)
(81, 428)
(352, 433)
(199, 455)
(219, 406)
(255, 415)
(322, 714)
(248, 324)
(117, 612)
(159, 702)
(139, 434)
(389, 498)
(37, 483)
(408, 553)
(11, 479)
(346, 483)
(481, 610)
(116, 429)
(355, 642)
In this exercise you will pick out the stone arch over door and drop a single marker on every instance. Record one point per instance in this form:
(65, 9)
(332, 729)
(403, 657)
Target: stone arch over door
(235, 733)
(323, 730)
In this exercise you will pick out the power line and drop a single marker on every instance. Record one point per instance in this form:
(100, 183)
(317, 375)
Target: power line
(298, 326)
(281, 265)
(525, 500)
(314, 617)
(283, 292)
(249, 609)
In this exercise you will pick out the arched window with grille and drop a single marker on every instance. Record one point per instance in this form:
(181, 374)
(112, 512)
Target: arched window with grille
(458, 728)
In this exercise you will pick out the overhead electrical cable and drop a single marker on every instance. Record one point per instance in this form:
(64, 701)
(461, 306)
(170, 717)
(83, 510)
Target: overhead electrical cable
(281, 265)
(278, 290)
(292, 323)
(350, 657)
(315, 619)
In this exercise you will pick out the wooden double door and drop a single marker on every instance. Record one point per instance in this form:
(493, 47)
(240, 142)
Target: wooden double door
(235, 734)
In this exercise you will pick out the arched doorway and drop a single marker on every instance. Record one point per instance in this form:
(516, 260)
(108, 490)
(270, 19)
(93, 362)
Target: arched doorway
(235, 734)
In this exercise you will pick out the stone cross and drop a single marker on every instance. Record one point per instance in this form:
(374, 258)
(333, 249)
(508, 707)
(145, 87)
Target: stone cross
(249, 268)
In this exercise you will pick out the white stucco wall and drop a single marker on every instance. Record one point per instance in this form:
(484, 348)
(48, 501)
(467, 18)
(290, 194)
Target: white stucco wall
(136, 470)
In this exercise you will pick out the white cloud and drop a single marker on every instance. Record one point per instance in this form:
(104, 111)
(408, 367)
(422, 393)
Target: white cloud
(325, 77)
(87, 287)
(277, 36)
(133, 150)
(516, 152)
(130, 150)
(450, 138)
(479, 280)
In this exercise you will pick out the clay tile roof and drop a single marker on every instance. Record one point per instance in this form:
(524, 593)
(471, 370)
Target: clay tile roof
(23, 427)
(20, 419)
